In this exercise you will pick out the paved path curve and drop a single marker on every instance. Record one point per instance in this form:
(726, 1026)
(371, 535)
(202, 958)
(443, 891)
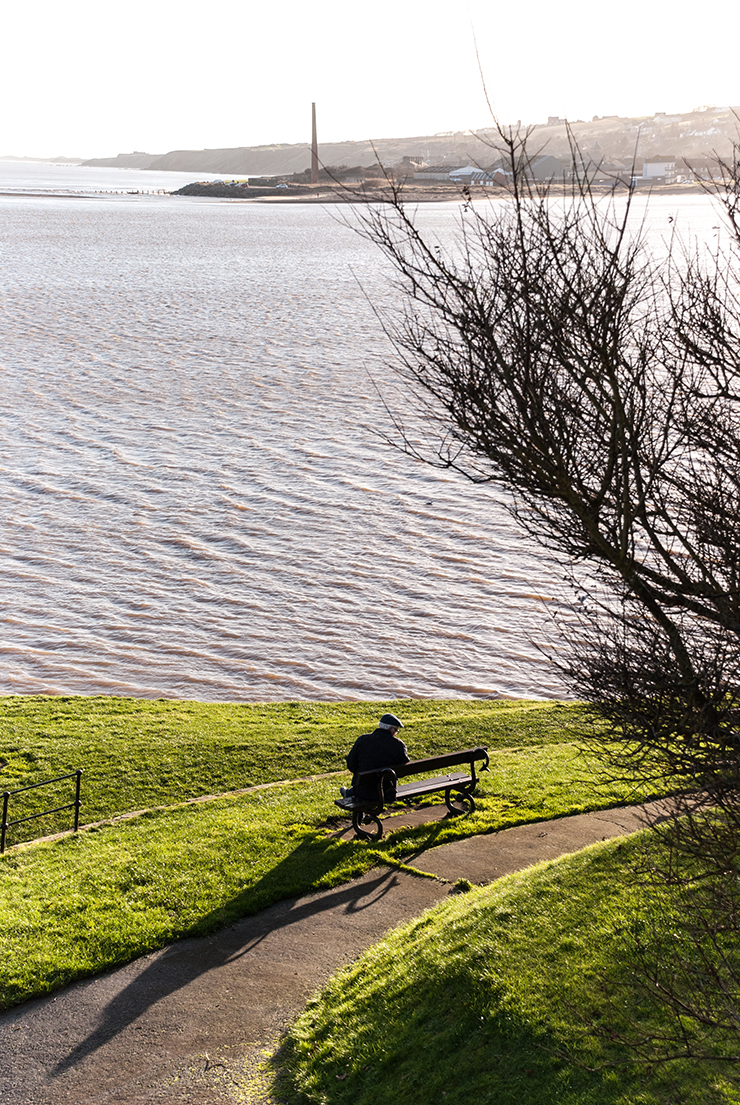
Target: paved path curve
(191, 1024)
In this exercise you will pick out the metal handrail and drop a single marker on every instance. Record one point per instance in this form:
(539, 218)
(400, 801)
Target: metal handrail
(7, 794)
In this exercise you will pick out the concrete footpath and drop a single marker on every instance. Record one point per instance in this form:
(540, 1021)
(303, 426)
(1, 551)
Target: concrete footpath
(192, 1024)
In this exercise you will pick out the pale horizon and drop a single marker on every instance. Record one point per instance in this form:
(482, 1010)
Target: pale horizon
(90, 81)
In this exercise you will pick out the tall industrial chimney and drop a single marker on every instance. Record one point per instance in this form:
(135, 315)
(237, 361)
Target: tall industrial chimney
(314, 148)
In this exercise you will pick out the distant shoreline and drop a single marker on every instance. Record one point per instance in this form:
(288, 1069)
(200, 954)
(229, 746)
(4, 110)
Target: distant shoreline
(56, 195)
(348, 195)
(410, 192)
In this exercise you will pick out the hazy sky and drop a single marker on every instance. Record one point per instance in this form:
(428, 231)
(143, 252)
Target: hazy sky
(90, 78)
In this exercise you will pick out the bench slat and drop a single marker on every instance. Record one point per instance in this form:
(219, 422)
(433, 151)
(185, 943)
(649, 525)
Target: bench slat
(429, 786)
(412, 790)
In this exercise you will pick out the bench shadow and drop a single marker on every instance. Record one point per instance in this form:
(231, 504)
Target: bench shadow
(193, 956)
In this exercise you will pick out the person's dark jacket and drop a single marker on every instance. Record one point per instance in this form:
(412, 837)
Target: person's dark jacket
(377, 749)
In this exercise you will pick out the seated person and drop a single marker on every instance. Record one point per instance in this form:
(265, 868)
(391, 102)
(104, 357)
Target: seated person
(381, 748)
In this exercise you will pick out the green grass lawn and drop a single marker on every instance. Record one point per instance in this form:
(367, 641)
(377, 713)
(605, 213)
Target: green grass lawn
(138, 753)
(73, 907)
(513, 994)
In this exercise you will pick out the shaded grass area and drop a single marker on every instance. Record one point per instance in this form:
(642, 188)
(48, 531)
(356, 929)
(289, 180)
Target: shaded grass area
(513, 994)
(76, 906)
(138, 753)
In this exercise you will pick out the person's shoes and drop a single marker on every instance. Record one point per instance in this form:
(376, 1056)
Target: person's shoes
(346, 792)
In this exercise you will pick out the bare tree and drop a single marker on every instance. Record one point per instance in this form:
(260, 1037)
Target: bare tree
(555, 356)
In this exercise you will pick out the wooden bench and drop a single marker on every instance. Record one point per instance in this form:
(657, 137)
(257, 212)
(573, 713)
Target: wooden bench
(458, 787)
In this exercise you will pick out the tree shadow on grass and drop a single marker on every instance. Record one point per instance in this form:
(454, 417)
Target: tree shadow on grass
(418, 1038)
(184, 962)
(511, 1064)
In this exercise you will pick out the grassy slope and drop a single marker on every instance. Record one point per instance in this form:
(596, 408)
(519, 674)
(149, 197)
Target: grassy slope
(137, 753)
(491, 997)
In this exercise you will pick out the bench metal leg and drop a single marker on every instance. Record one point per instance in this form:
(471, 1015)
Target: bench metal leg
(366, 825)
(459, 800)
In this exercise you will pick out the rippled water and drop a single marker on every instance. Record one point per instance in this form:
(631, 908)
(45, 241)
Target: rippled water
(193, 502)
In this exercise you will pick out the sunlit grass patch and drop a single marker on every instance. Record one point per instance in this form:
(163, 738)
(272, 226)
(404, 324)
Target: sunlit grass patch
(138, 753)
(510, 995)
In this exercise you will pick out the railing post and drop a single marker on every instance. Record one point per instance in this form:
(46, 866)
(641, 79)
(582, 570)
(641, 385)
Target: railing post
(77, 799)
(7, 795)
(3, 831)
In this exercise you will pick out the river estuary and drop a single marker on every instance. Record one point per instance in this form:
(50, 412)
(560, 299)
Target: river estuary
(195, 501)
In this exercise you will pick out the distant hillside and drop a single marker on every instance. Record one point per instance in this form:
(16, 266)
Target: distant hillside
(287, 159)
(695, 134)
(46, 160)
(134, 160)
